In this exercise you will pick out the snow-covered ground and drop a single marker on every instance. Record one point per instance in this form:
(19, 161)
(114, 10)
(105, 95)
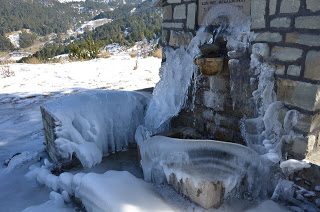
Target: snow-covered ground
(21, 131)
(21, 127)
(91, 25)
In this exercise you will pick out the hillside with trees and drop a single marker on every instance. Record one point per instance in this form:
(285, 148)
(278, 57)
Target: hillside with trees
(125, 29)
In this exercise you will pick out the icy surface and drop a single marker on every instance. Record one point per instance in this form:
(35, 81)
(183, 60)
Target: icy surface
(21, 128)
(290, 166)
(199, 160)
(94, 124)
(119, 192)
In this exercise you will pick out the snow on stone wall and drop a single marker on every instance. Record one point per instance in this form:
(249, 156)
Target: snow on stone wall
(94, 124)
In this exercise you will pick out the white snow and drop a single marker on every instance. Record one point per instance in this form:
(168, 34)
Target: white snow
(91, 25)
(119, 192)
(21, 128)
(292, 165)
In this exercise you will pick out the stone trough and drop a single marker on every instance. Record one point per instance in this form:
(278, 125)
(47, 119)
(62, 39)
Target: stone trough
(204, 171)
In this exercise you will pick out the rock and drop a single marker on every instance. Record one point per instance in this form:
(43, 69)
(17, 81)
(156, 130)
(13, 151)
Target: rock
(261, 49)
(272, 7)
(302, 38)
(191, 17)
(205, 194)
(294, 70)
(280, 22)
(210, 66)
(312, 70)
(173, 1)
(280, 69)
(313, 5)
(299, 147)
(179, 12)
(167, 12)
(258, 11)
(272, 37)
(178, 39)
(286, 53)
(308, 22)
(172, 25)
(289, 6)
(300, 94)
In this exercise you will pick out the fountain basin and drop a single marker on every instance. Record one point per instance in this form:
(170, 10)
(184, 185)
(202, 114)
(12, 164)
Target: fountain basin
(204, 171)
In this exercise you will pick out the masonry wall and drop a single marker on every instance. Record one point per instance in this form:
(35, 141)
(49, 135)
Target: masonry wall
(179, 22)
(291, 28)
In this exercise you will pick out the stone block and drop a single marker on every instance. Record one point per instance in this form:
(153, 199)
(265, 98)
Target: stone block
(178, 39)
(289, 6)
(167, 12)
(165, 37)
(300, 94)
(191, 17)
(210, 66)
(313, 5)
(280, 69)
(299, 147)
(258, 11)
(179, 12)
(304, 39)
(272, 7)
(308, 123)
(308, 22)
(286, 53)
(280, 22)
(272, 37)
(172, 25)
(312, 69)
(294, 70)
(174, 1)
(204, 193)
(261, 49)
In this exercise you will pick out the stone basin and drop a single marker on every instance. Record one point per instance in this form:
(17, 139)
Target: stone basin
(204, 171)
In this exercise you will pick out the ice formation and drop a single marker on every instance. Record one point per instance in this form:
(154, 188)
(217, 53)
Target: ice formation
(117, 191)
(292, 165)
(94, 124)
(201, 161)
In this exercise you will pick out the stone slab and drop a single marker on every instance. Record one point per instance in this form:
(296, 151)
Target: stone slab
(300, 94)
(312, 70)
(205, 6)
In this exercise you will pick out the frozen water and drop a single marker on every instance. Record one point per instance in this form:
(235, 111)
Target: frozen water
(94, 124)
(292, 165)
(199, 160)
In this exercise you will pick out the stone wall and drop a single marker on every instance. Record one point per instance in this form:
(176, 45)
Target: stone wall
(179, 22)
(49, 126)
(291, 29)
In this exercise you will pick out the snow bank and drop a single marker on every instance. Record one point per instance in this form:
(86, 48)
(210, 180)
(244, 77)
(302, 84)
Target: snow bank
(199, 160)
(56, 203)
(292, 165)
(117, 191)
(267, 206)
(94, 124)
